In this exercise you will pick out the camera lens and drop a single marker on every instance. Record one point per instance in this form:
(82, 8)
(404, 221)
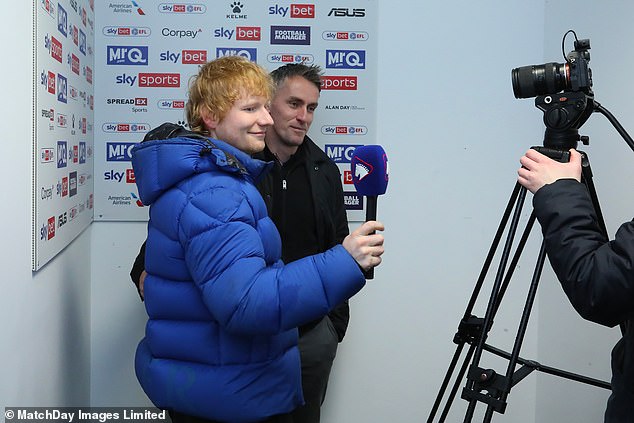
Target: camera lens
(534, 80)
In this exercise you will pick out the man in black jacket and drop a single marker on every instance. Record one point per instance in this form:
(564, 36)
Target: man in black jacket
(304, 198)
(596, 274)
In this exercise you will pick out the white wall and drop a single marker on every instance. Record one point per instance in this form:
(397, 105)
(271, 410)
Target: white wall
(45, 333)
(454, 134)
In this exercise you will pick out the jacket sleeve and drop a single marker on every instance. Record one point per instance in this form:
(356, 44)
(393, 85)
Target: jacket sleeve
(137, 268)
(596, 274)
(225, 254)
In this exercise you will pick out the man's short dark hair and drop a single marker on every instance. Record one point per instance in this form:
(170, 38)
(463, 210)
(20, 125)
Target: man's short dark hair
(311, 73)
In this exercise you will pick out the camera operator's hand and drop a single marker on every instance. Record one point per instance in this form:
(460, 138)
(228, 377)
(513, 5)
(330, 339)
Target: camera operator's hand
(365, 246)
(538, 170)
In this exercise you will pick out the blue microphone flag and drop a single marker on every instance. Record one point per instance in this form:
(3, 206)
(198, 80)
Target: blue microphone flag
(369, 167)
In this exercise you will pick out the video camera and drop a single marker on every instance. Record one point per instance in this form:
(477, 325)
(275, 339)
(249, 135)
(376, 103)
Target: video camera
(550, 78)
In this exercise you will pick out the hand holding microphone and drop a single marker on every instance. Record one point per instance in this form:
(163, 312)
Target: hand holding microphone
(370, 176)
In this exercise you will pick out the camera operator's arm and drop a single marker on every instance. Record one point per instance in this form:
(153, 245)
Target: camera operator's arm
(596, 274)
(538, 170)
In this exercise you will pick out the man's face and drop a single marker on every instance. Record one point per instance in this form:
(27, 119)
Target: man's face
(292, 110)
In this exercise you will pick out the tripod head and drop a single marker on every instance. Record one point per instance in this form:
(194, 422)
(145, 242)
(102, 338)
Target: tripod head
(564, 113)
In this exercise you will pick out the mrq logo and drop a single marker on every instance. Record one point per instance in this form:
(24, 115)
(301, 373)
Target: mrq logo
(250, 54)
(128, 55)
(341, 153)
(345, 59)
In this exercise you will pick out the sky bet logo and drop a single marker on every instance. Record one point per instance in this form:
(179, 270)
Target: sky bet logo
(126, 31)
(119, 151)
(128, 55)
(182, 8)
(345, 59)
(344, 130)
(285, 58)
(250, 54)
(341, 153)
(345, 36)
(306, 11)
(189, 57)
(125, 127)
(168, 104)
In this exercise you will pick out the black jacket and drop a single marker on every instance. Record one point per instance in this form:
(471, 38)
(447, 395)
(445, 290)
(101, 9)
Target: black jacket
(329, 211)
(596, 274)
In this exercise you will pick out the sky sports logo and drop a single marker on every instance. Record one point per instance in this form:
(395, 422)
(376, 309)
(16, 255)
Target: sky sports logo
(250, 54)
(119, 151)
(345, 59)
(290, 35)
(182, 8)
(127, 55)
(151, 80)
(126, 31)
(339, 83)
(341, 153)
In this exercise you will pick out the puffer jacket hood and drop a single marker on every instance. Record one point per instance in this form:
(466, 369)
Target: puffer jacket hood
(161, 164)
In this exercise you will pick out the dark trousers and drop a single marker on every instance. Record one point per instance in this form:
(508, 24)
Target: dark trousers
(184, 418)
(317, 349)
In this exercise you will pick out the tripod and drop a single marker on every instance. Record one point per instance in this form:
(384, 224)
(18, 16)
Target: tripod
(563, 117)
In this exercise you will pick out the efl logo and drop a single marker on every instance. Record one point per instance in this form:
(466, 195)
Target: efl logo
(75, 153)
(352, 201)
(128, 55)
(168, 104)
(64, 187)
(248, 33)
(292, 35)
(119, 151)
(62, 120)
(306, 59)
(160, 80)
(74, 94)
(250, 54)
(47, 155)
(62, 88)
(62, 154)
(341, 153)
(182, 8)
(344, 130)
(125, 127)
(345, 59)
(339, 83)
(126, 31)
(345, 36)
(88, 75)
(62, 20)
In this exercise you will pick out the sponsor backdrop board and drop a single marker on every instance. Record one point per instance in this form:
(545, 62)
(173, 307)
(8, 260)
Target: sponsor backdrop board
(147, 51)
(63, 141)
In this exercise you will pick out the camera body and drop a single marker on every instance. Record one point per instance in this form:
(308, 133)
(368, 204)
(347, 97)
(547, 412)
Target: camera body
(550, 78)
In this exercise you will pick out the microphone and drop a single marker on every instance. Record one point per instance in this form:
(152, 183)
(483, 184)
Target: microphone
(370, 176)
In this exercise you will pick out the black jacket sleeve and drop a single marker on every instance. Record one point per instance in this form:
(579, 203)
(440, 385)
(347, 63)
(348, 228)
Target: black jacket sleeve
(137, 268)
(596, 274)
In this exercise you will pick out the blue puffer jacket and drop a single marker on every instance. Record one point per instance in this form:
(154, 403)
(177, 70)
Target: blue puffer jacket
(221, 339)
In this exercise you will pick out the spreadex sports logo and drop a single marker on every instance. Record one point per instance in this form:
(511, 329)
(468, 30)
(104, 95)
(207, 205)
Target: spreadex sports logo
(180, 8)
(170, 104)
(290, 35)
(136, 101)
(126, 31)
(344, 130)
(339, 83)
(250, 54)
(285, 58)
(345, 35)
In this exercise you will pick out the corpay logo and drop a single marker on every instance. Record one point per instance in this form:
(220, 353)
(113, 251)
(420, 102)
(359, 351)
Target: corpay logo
(345, 59)
(128, 55)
